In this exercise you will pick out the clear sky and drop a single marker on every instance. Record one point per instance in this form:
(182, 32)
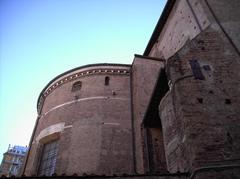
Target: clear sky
(40, 39)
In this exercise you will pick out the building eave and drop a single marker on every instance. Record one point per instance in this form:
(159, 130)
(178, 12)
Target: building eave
(159, 27)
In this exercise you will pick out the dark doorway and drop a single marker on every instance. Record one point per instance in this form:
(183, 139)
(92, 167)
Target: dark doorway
(154, 150)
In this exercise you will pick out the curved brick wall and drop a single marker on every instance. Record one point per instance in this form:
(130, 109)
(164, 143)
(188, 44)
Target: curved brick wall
(93, 124)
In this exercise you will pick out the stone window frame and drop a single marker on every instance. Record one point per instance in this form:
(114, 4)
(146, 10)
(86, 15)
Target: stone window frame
(55, 136)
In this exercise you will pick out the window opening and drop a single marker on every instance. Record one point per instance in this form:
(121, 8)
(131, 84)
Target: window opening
(107, 79)
(76, 86)
(196, 69)
(48, 159)
(154, 147)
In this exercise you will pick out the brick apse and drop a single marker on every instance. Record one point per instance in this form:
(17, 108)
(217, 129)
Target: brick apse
(172, 113)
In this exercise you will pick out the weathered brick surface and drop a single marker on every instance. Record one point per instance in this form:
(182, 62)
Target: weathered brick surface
(97, 137)
(218, 173)
(200, 117)
(199, 127)
(154, 150)
(204, 126)
(144, 76)
(227, 14)
(181, 25)
(75, 176)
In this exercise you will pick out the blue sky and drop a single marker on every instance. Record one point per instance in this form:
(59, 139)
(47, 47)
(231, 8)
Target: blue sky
(39, 39)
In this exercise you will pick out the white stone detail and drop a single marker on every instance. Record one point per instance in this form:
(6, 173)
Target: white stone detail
(59, 127)
(82, 99)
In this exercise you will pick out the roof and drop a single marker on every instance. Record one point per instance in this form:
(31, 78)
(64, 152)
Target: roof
(17, 150)
(20, 148)
(159, 27)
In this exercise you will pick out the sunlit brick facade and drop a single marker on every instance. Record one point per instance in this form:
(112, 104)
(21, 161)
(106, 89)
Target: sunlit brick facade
(174, 111)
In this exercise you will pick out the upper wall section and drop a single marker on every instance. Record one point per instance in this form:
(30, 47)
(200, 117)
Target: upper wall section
(227, 15)
(185, 21)
(59, 90)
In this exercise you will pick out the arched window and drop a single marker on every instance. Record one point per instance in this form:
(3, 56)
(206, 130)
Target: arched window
(76, 86)
(107, 79)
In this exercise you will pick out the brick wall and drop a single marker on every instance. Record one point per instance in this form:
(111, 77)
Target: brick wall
(96, 136)
(203, 128)
(200, 112)
(144, 77)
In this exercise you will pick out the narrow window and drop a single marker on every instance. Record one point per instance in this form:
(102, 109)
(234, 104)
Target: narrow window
(48, 159)
(196, 69)
(155, 160)
(107, 78)
(76, 86)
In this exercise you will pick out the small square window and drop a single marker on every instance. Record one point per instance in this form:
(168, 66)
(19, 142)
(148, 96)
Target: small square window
(76, 86)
